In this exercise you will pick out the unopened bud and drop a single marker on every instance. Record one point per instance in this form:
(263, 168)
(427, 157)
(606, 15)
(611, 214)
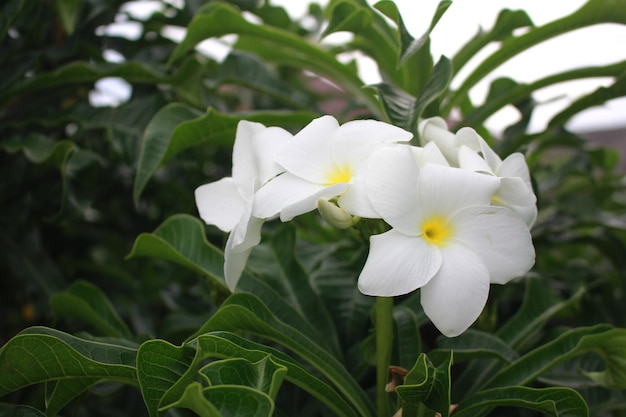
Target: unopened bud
(335, 215)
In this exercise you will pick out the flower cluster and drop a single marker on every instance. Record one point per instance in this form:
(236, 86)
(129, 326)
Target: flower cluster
(459, 214)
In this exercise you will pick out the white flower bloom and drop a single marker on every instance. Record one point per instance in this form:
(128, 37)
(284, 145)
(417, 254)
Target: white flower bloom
(228, 203)
(325, 160)
(468, 150)
(446, 238)
(515, 191)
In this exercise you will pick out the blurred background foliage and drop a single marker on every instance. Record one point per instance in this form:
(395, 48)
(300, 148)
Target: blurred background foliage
(71, 206)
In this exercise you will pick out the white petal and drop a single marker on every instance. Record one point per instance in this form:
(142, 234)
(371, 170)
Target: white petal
(391, 184)
(515, 166)
(290, 196)
(355, 200)
(446, 190)
(471, 161)
(354, 141)
(244, 168)
(499, 237)
(515, 194)
(309, 155)
(429, 154)
(220, 204)
(397, 264)
(454, 298)
(468, 137)
(254, 155)
(245, 236)
(234, 264)
(436, 130)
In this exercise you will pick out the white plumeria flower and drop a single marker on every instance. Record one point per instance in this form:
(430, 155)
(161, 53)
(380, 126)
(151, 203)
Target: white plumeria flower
(446, 238)
(228, 203)
(468, 150)
(325, 160)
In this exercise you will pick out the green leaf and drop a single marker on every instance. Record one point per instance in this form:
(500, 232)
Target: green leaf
(156, 141)
(507, 91)
(40, 149)
(264, 375)
(84, 301)
(270, 43)
(409, 45)
(591, 13)
(427, 384)
(556, 402)
(474, 344)
(284, 273)
(245, 312)
(404, 110)
(10, 410)
(68, 13)
(160, 365)
(218, 401)
(83, 72)
(165, 371)
(610, 343)
(506, 22)
(181, 239)
(596, 98)
(177, 127)
(407, 324)
(40, 354)
(63, 391)
(539, 305)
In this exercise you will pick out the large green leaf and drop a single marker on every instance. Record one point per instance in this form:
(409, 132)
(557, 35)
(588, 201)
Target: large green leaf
(504, 92)
(232, 401)
(556, 402)
(474, 344)
(165, 371)
(264, 375)
(40, 354)
(181, 239)
(540, 304)
(609, 343)
(83, 72)
(85, 301)
(426, 384)
(177, 127)
(592, 13)
(283, 271)
(245, 312)
(408, 341)
(217, 19)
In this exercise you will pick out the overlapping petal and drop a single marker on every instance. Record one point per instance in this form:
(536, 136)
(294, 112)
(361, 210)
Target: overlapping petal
(454, 298)
(290, 196)
(391, 183)
(499, 237)
(219, 203)
(309, 155)
(398, 264)
(448, 190)
(239, 245)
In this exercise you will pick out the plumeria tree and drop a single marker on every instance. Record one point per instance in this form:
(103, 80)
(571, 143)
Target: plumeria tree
(265, 234)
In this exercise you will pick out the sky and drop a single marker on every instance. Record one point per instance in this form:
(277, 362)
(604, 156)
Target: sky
(596, 45)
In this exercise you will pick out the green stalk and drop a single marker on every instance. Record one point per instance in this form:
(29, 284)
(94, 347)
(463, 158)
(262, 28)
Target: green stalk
(384, 340)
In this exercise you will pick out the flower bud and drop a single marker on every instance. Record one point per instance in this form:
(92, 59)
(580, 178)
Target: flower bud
(335, 215)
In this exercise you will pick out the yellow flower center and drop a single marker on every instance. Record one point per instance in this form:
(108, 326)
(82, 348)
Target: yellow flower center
(339, 174)
(437, 230)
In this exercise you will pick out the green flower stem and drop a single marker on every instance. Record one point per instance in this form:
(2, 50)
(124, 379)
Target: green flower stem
(384, 340)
